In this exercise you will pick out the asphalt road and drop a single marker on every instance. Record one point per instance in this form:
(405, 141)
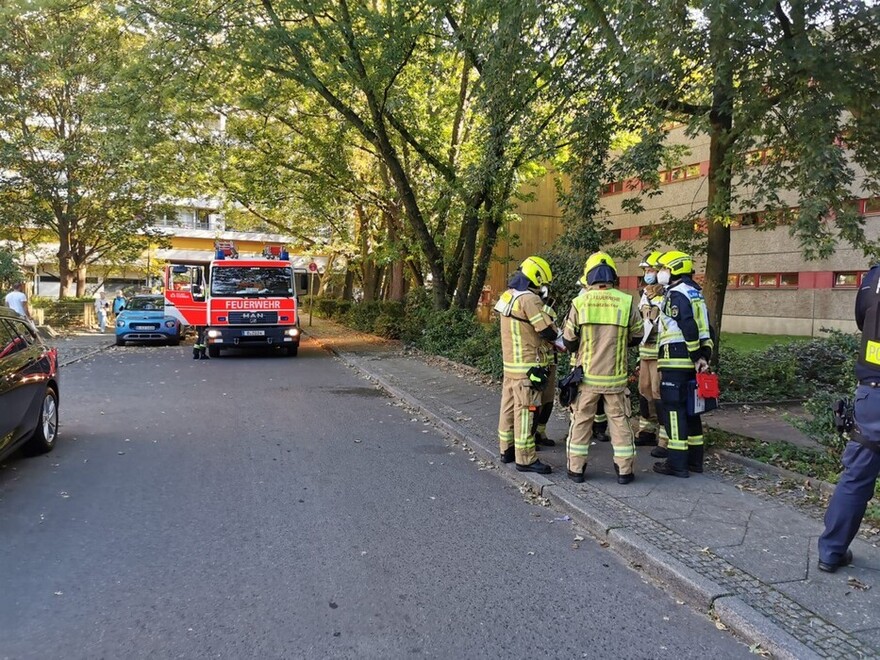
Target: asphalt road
(273, 507)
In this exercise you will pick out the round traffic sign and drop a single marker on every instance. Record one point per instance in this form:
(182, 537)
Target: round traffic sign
(313, 267)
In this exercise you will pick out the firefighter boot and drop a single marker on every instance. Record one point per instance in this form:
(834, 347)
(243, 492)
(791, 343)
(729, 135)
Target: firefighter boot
(659, 452)
(646, 439)
(195, 352)
(509, 455)
(577, 477)
(675, 465)
(695, 458)
(623, 479)
(537, 466)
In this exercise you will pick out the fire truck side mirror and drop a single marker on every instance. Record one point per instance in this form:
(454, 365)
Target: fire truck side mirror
(197, 291)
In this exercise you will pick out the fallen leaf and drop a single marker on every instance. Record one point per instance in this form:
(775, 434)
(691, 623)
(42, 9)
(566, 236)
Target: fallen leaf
(720, 625)
(578, 538)
(858, 584)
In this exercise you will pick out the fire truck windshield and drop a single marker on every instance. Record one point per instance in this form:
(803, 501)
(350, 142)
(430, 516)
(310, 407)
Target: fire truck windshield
(251, 281)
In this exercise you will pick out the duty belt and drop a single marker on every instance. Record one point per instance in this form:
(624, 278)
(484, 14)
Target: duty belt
(856, 436)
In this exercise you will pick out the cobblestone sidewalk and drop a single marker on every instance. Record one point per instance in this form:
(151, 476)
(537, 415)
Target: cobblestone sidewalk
(747, 561)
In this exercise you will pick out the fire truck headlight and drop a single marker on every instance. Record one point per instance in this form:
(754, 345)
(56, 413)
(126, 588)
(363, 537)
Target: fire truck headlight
(292, 332)
(213, 334)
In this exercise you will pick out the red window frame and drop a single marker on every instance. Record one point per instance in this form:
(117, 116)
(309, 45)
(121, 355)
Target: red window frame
(859, 275)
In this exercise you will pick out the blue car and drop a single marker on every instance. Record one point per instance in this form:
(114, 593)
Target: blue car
(143, 319)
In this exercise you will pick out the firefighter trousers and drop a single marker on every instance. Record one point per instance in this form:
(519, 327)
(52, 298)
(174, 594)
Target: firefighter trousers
(650, 406)
(580, 432)
(519, 402)
(683, 430)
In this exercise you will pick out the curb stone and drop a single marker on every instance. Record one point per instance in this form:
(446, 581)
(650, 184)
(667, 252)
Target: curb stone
(84, 356)
(748, 623)
(697, 590)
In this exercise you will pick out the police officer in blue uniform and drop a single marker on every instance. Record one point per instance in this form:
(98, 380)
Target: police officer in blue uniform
(861, 457)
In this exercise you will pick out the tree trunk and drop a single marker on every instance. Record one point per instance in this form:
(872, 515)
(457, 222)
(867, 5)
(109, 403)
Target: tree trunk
(348, 287)
(65, 275)
(490, 238)
(396, 286)
(720, 173)
(81, 271)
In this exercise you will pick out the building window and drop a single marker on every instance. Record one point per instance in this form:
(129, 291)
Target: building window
(848, 280)
(769, 280)
(788, 279)
(680, 173)
(613, 188)
(750, 219)
(614, 235)
(732, 281)
(871, 205)
(747, 280)
(646, 231)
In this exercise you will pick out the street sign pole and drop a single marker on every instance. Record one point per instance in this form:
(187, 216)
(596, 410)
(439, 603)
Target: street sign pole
(313, 269)
(311, 295)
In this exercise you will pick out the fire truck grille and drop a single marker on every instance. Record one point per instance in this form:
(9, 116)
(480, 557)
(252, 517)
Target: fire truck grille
(246, 318)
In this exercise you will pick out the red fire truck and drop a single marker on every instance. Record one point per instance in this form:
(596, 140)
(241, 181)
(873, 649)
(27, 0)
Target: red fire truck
(240, 301)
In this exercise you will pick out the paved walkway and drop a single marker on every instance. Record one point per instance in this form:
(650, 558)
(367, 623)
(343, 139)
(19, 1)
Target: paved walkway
(75, 345)
(762, 422)
(749, 562)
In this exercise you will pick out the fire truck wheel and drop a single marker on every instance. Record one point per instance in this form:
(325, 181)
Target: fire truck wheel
(292, 351)
(214, 351)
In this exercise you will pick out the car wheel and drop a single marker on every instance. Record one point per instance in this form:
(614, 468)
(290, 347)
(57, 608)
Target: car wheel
(214, 351)
(292, 350)
(120, 342)
(43, 439)
(174, 342)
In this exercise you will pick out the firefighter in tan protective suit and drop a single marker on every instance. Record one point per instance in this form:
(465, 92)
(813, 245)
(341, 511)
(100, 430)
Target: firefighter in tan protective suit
(651, 428)
(602, 324)
(527, 336)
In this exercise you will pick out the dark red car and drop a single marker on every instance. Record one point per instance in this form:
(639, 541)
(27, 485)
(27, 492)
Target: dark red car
(28, 388)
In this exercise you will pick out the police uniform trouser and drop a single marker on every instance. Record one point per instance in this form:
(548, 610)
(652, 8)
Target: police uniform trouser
(861, 465)
(519, 401)
(617, 409)
(683, 430)
(650, 407)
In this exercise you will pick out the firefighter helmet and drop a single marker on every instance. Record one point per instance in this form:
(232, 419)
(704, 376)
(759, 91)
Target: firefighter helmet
(597, 260)
(537, 271)
(650, 260)
(678, 263)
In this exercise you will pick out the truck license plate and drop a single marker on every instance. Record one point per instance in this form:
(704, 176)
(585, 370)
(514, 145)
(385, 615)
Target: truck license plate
(253, 333)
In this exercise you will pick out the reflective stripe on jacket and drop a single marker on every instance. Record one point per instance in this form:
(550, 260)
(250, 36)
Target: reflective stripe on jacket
(684, 327)
(603, 320)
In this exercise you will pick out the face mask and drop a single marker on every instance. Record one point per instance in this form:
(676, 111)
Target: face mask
(663, 277)
(650, 278)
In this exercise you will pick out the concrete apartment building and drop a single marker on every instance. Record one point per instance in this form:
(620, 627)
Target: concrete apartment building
(191, 228)
(771, 289)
